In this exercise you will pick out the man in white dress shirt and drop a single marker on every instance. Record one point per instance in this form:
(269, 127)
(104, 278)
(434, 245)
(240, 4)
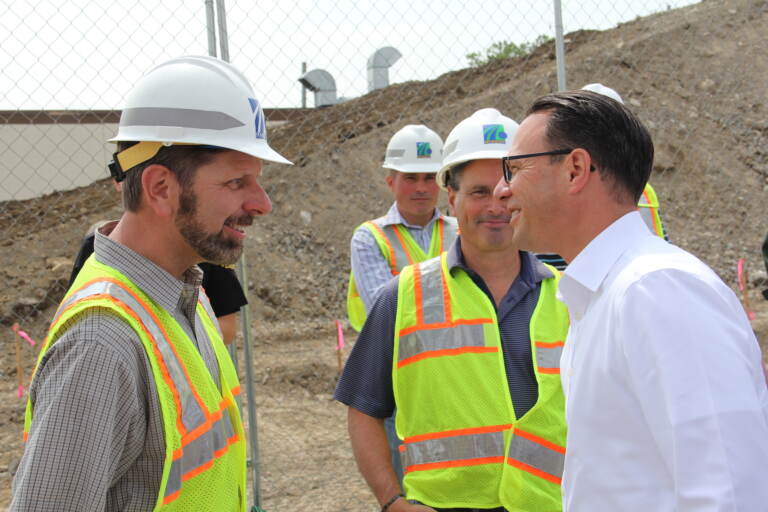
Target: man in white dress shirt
(666, 404)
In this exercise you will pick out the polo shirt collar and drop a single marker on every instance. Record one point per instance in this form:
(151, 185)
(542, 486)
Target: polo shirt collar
(532, 271)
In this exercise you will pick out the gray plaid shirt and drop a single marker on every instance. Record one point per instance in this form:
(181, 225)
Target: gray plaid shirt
(96, 442)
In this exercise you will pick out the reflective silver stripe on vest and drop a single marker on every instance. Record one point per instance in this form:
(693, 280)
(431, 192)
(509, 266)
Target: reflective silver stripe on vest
(191, 414)
(179, 117)
(646, 212)
(401, 256)
(200, 452)
(537, 456)
(433, 307)
(548, 357)
(454, 448)
(427, 340)
(450, 227)
(432, 297)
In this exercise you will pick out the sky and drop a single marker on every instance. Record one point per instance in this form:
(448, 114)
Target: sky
(86, 54)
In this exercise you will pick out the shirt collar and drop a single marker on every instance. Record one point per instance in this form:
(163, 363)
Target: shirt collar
(587, 272)
(156, 282)
(532, 271)
(393, 216)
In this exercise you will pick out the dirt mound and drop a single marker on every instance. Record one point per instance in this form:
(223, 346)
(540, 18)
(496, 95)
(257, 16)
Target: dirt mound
(696, 76)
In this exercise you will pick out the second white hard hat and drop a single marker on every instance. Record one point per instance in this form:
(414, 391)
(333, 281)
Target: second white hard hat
(195, 100)
(485, 134)
(414, 148)
(605, 91)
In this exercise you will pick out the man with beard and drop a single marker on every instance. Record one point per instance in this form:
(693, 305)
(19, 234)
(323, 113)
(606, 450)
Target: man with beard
(466, 346)
(132, 403)
(220, 283)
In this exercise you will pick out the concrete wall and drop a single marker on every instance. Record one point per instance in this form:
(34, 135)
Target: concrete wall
(38, 159)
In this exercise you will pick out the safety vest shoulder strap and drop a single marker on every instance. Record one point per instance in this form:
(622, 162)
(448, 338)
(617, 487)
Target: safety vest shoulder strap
(443, 235)
(648, 207)
(648, 199)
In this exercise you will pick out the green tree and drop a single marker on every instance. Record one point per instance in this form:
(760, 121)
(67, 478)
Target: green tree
(505, 49)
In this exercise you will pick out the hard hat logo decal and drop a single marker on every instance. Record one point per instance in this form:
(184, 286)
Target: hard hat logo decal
(423, 150)
(494, 134)
(260, 122)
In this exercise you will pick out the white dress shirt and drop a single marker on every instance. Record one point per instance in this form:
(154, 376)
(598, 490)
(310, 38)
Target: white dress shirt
(666, 402)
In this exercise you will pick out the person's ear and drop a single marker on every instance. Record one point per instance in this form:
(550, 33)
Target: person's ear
(160, 189)
(390, 180)
(451, 198)
(580, 170)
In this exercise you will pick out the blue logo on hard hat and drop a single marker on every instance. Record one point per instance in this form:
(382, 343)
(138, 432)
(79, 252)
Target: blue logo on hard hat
(494, 134)
(261, 123)
(423, 150)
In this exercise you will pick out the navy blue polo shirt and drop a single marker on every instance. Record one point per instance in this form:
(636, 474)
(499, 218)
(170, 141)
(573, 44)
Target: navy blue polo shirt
(366, 382)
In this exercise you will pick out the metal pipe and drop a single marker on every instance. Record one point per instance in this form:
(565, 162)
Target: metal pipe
(210, 25)
(245, 317)
(559, 47)
(303, 87)
(221, 14)
(245, 312)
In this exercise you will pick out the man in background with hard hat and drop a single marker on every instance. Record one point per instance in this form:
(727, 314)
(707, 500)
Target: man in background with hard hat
(413, 229)
(132, 403)
(467, 347)
(648, 205)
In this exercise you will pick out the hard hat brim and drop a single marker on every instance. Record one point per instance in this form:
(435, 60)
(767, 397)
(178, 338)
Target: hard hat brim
(414, 168)
(258, 147)
(477, 155)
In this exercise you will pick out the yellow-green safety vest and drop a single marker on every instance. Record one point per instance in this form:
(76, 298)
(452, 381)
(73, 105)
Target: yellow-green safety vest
(648, 206)
(399, 249)
(205, 459)
(462, 444)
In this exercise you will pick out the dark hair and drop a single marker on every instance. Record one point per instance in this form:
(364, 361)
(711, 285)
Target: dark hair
(453, 175)
(182, 160)
(620, 146)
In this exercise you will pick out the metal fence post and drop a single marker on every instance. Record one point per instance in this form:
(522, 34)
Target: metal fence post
(559, 47)
(245, 313)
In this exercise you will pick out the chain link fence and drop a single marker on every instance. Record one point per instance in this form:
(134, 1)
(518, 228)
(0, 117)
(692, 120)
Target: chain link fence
(694, 72)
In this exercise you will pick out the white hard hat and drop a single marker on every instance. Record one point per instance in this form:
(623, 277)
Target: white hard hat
(605, 91)
(414, 148)
(193, 100)
(485, 134)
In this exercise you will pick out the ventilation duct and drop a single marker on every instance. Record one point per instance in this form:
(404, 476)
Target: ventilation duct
(320, 82)
(378, 67)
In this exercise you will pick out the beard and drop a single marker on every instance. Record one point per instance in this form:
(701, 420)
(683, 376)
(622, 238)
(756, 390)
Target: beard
(212, 247)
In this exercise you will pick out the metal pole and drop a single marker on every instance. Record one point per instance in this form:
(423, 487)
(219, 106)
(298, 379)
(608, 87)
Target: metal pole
(303, 89)
(559, 47)
(245, 311)
(221, 14)
(245, 317)
(211, 26)
(209, 23)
